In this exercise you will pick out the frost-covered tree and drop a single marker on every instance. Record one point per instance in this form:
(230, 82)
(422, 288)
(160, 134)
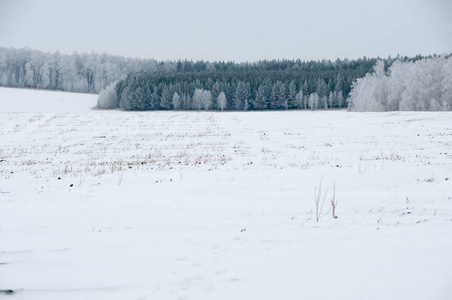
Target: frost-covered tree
(332, 99)
(324, 102)
(423, 85)
(278, 96)
(221, 101)
(305, 101)
(446, 84)
(322, 89)
(45, 77)
(242, 94)
(370, 90)
(283, 96)
(166, 98)
(292, 101)
(188, 102)
(29, 75)
(299, 99)
(107, 98)
(176, 100)
(313, 101)
(183, 101)
(215, 91)
(206, 99)
(127, 98)
(198, 99)
(260, 98)
(154, 99)
(77, 72)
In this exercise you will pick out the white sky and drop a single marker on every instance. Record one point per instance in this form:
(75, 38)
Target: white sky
(239, 30)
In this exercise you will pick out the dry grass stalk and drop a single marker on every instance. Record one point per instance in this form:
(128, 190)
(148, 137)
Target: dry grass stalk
(319, 200)
(334, 201)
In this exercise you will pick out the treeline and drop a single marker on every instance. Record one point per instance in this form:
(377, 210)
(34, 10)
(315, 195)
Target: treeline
(79, 72)
(423, 85)
(147, 84)
(275, 84)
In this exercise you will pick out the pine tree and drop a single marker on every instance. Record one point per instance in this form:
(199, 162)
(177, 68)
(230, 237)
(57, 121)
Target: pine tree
(274, 96)
(322, 89)
(216, 90)
(340, 99)
(166, 98)
(332, 99)
(283, 98)
(154, 101)
(262, 96)
(183, 100)
(242, 93)
(324, 102)
(306, 88)
(292, 95)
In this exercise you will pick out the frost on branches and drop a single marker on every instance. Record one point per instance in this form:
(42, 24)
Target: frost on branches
(424, 85)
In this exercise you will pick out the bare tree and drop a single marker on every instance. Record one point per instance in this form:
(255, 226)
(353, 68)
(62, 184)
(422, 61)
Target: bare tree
(206, 99)
(176, 100)
(221, 100)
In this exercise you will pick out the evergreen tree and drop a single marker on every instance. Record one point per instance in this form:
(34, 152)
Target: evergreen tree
(242, 94)
(306, 88)
(166, 98)
(340, 99)
(292, 95)
(216, 90)
(189, 102)
(283, 97)
(332, 99)
(154, 100)
(324, 102)
(274, 95)
(322, 89)
(299, 100)
(262, 96)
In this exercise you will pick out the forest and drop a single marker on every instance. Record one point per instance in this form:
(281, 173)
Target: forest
(263, 85)
(148, 84)
(79, 72)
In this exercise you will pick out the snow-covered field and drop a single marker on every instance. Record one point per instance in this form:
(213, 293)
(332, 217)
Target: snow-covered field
(33, 101)
(204, 205)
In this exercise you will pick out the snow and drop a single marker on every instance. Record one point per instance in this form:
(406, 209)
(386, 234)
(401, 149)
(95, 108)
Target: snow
(206, 205)
(28, 100)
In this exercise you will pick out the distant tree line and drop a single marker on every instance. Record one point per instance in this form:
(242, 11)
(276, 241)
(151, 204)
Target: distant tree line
(423, 85)
(274, 84)
(147, 84)
(79, 72)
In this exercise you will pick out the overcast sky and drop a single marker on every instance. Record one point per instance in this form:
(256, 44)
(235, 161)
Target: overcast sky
(239, 30)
